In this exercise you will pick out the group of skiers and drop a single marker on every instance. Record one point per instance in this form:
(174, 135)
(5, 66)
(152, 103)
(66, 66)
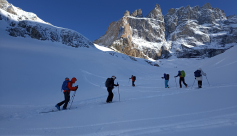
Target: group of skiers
(198, 76)
(68, 85)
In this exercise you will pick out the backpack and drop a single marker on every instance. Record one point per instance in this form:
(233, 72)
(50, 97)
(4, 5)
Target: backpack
(108, 82)
(134, 77)
(167, 77)
(182, 73)
(64, 85)
(197, 73)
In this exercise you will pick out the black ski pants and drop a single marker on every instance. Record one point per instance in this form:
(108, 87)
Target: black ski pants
(199, 84)
(181, 79)
(65, 102)
(111, 95)
(133, 83)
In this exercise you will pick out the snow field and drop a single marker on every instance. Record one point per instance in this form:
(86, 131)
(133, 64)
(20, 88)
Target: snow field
(32, 73)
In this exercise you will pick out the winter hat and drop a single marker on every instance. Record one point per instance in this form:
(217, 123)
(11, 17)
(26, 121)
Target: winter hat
(66, 78)
(113, 77)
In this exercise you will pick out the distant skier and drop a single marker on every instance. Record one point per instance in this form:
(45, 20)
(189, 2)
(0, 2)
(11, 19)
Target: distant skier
(133, 80)
(67, 87)
(181, 74)
(198, 76)
(110, 86)
(166, 77)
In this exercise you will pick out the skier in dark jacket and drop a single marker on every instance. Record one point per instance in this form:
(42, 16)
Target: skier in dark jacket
(166, 77)
(110, 88)
(181, 75)
(133, 80)
(67, 93)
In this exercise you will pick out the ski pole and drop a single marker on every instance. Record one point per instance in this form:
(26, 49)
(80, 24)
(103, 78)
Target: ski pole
(207, 80)
(118, 92)
(72, 99)
(193, 84)
(176, 82)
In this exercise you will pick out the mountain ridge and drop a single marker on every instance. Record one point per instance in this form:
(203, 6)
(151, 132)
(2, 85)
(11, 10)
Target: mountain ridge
(27, 24)
(185, 32)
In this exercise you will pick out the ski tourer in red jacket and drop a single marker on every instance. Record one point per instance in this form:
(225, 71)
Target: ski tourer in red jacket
(67, 94)
(69, 85)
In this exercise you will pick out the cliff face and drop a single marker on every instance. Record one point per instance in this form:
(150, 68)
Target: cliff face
(137, 36)
(195, 31)
(26, 24)
(186, 32)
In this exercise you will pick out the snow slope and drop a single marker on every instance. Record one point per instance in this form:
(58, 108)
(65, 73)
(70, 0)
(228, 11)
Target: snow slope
(32, 72)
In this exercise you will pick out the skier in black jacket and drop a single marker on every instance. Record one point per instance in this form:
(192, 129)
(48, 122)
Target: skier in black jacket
(110, 88)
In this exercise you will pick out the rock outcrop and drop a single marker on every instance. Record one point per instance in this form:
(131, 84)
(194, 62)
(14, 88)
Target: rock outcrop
(200, 30)
(137, 36)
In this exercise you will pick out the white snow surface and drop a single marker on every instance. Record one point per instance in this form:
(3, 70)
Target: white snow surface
(32, 72)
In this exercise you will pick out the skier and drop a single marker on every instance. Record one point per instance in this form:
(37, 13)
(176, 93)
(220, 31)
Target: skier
(166, 77)
(198, 76)
(133, 80)
(110, 86)
(68, 87)
(181, 74)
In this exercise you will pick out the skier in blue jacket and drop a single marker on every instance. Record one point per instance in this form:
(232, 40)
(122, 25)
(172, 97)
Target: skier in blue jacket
(166, 77)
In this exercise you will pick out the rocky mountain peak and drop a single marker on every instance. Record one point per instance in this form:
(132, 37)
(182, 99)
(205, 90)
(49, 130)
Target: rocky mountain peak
(126, 13)
(206, 6)
(137, 13)
(156, 13)
(171, 11)
(157, 6)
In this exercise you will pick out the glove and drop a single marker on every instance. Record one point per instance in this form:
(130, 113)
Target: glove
(117, 84)
(195, 77)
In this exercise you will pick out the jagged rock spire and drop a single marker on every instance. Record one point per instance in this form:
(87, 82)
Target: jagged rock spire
(126, 13)
(156, 13)
(137, 13)
(207, 6)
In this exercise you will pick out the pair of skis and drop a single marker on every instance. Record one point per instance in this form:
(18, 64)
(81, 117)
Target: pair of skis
(60, 110)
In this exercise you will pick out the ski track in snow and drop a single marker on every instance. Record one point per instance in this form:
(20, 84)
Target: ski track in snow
(227, 64)
(220, 61)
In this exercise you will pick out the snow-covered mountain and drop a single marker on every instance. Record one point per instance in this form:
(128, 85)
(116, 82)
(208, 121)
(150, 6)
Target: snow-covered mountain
(26, 24)
(203, 31)
(184, 32)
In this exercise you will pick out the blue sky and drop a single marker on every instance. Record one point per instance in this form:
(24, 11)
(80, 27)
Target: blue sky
(91, 18)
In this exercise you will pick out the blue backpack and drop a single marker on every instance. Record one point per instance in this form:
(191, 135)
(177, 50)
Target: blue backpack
(64, 86)
(197, 73)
